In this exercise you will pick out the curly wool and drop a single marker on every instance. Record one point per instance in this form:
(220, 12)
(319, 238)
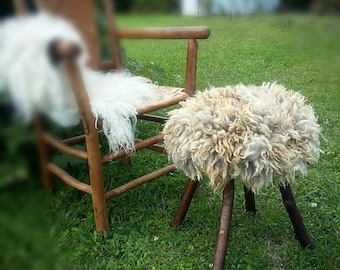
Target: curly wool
(254, 134)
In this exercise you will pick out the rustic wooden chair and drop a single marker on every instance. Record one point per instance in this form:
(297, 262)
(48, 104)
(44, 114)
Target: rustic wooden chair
(81, 13)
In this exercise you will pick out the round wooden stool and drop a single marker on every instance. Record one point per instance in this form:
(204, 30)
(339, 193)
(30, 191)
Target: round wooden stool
(257, 135)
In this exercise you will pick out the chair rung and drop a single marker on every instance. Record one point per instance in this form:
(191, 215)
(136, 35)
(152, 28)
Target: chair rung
(138, 181)
(73, 140)
(153, 118)
(138, 145)
(154, 147)
(157, 148)
(63, 147)
(68, 179)
(153, 106)
(78, 139)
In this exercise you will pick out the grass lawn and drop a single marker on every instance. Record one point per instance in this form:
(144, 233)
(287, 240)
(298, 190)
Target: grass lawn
(301, 52)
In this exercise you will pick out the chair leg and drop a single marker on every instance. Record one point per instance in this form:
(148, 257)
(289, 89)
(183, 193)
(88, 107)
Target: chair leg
(99, 206)
(250, 200)
(295, 216)
(45, 155)
(96, 180)
(185, 202)
(224, 227)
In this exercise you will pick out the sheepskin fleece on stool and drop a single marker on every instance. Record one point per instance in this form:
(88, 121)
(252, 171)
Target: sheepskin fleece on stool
(36, 85)
(255, 134)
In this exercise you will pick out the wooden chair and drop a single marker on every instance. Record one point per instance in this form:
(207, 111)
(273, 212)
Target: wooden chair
(81, 13)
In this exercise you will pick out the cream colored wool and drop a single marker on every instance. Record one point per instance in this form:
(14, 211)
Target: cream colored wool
(35, 85)
(255, 134)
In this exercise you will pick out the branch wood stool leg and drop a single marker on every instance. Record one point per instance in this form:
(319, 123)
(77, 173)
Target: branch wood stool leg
(224, 227)
(295, 216)
(250, 200)
(185, 202)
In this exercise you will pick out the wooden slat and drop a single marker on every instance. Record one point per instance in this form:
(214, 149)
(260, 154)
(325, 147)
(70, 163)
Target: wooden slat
(190, 32)
(155, 147)
(45, 153)
(63, 147)
(68, 179)
(19, 7)
(156, 105)
(139, 145)
(114, 40)
(191, 67)
(92, 144)
(79, 139)
(82, 16)
(149, 141)
(139, 181)
(74, 140)
(153, 118)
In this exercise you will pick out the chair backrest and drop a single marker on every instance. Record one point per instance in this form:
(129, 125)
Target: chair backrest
(82, 14)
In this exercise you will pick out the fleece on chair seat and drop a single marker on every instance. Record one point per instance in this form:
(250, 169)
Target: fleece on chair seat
(36, 85)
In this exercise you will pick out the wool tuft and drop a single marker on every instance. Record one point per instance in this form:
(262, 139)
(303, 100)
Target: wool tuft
(255, 134)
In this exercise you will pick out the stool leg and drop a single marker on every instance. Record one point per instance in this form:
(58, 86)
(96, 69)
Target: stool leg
(185, 202)
(250, 200)
(295, 216)
(224, 228)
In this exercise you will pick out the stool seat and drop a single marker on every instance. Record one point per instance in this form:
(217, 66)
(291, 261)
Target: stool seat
(257, 135)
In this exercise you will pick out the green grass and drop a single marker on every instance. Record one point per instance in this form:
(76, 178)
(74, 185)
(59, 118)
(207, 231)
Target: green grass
(299, 51)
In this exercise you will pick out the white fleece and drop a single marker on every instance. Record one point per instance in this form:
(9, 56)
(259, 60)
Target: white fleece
(35, 85)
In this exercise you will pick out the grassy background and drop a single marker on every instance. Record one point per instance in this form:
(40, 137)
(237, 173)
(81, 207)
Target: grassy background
(299, 51)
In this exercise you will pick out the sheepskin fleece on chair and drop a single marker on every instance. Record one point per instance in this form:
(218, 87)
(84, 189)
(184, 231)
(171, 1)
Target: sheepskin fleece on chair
(35, 85)
(255, 134)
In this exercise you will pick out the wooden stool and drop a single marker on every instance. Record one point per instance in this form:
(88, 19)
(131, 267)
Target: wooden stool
(252, 134)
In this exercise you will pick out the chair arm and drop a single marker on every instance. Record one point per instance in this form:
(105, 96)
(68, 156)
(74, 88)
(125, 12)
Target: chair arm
(189, 32)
